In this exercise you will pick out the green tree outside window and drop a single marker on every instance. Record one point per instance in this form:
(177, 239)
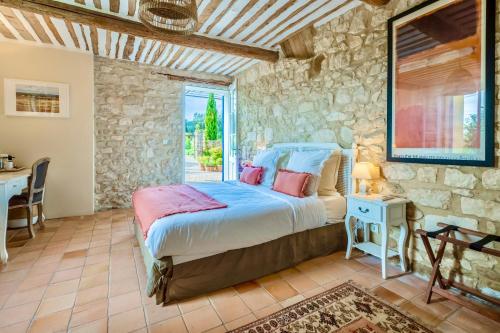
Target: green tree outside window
(211, 127)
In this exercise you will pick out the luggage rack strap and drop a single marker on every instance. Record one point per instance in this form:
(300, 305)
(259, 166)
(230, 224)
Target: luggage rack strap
(478, 246)
(433, 234)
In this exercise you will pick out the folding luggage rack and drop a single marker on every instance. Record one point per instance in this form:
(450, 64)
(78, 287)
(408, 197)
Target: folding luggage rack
(444, 284)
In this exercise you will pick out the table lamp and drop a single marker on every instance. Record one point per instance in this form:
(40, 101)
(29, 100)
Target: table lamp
(365, 171)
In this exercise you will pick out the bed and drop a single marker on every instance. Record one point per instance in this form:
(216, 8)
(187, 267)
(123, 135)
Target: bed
(260, 232)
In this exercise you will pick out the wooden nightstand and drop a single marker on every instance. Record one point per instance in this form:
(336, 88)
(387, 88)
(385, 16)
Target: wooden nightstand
(370, 209)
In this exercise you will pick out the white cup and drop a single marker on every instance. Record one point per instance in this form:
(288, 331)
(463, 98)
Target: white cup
(9, 165)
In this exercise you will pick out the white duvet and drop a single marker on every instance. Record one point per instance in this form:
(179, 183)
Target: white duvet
(255, 215)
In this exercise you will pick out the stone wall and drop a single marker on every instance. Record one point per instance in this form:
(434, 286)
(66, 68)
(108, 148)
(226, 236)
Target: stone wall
(346, 103)
(138, 130)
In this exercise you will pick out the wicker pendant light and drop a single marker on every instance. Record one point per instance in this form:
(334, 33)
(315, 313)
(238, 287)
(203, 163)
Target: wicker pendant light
(172, 16)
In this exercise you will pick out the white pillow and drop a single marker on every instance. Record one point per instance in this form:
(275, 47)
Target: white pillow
(283, 160)
(311, 162)
(329, 175)
(268, 159)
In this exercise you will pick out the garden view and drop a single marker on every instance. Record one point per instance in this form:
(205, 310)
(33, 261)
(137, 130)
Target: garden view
(203, 137)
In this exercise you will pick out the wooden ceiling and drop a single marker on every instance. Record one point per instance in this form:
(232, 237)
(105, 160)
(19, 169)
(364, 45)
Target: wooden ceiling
(260, 23)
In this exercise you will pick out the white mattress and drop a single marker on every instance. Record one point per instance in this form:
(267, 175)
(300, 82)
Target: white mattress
(255, 215)
(336, 207)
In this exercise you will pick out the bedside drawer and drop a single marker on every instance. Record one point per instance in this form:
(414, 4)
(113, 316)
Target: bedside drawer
(366, 209)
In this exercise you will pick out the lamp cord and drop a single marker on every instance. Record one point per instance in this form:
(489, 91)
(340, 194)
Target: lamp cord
(358, 226)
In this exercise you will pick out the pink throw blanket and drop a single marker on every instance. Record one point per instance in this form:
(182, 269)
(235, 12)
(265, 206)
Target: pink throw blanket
(153, 203)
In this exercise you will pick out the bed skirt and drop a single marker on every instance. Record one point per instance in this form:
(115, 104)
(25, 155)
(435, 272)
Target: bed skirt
(168, 282)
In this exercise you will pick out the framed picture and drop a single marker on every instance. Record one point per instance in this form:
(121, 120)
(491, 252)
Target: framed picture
(441, 89)
(36, 99)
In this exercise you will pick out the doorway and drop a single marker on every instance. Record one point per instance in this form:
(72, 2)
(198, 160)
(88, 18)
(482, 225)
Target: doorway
(207, 134)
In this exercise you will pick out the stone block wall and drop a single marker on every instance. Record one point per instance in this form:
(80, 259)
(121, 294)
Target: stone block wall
(346, 103)
(138, 130)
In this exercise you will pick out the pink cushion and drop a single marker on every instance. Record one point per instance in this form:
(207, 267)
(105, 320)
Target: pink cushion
(291, 182)
(251, 175)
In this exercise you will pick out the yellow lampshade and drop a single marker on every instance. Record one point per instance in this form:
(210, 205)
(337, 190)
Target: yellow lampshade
(365, 170)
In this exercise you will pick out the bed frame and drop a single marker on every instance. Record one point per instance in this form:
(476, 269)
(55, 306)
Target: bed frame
(169, 282)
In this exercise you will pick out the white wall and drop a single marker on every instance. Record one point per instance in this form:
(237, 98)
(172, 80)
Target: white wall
(68, 142)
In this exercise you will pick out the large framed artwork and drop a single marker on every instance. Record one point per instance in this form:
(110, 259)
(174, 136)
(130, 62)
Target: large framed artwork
(441, 83)
(36, 98)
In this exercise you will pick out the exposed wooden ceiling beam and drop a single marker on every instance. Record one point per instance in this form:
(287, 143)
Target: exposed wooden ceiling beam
(37, 27)
(114, 23)
(377, 3)
(195, 80)
(187, 76)
(53, 30)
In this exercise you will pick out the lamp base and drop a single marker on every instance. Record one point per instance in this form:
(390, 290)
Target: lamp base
(364, 187)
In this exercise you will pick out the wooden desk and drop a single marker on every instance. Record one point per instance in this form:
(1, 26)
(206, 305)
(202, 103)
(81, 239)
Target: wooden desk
(11, 183)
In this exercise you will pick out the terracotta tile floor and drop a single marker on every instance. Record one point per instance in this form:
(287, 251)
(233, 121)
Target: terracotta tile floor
(85, 274)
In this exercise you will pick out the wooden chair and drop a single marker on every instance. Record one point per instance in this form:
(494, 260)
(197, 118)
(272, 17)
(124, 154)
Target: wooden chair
(34, 195)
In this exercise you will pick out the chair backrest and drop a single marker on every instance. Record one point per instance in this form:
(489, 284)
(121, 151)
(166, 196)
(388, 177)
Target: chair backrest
(38, 176)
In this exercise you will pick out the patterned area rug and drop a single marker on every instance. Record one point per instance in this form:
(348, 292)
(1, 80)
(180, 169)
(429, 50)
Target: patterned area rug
(344, 309)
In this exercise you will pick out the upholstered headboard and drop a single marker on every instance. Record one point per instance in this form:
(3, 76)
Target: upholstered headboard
(345, 184)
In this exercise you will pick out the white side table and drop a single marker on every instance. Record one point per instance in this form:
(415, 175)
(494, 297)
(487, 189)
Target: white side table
(370, 209)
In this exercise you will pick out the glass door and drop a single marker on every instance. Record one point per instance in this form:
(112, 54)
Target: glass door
(230, 136)
(210, 134)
